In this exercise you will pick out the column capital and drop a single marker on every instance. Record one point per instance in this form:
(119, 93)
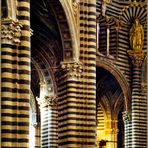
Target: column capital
(11, 32)
(47, 101)
(137, 57)
(126, 116)
(73, 69)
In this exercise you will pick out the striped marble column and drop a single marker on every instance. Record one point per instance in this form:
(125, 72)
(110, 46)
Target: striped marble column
(139, 102)
(139, 112)
(88, 79)
(15, 70)
(77, 87)
(69, 106)
(127, 129)
(49, 122)
(23, 55)
(9, 87)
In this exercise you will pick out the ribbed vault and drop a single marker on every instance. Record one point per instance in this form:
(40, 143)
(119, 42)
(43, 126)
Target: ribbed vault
(110, 105)
(108, 87)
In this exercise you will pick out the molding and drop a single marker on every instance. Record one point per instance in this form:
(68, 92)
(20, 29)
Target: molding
(75, 6)
(72, 17)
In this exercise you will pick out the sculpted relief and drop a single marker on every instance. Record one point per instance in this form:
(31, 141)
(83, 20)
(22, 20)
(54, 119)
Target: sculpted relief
(136, 43)
(136, 35)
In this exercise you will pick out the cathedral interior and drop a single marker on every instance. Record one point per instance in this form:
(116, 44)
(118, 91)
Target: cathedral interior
(73, 74)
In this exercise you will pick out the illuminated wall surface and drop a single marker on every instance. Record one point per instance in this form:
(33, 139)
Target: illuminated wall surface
(73, 74)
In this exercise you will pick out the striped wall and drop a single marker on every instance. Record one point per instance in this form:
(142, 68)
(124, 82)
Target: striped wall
(125, 12)
(15, 68)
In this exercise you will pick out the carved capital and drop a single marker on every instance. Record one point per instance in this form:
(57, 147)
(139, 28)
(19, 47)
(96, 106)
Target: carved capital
(126, 116)
(73, 69)
(47, 101)
(137, 57)
(10, 32)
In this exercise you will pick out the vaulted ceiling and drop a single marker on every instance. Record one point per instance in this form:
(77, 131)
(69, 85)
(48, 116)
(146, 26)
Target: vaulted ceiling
(107, 86)
(46, 45)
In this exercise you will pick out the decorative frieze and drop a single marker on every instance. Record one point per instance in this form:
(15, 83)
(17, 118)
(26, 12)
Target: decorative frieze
(73, 69)
(47, 101)
(126, 116)
(10, 32)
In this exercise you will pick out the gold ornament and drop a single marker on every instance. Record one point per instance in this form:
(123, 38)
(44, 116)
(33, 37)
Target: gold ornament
(136, 42)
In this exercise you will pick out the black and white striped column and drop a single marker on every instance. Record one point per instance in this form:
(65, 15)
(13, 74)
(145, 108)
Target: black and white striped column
(139, 111)
(15, 79)
(49, 122)
(127, 129)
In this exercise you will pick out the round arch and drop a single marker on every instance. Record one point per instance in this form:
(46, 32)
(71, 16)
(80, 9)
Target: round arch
(119, 77)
